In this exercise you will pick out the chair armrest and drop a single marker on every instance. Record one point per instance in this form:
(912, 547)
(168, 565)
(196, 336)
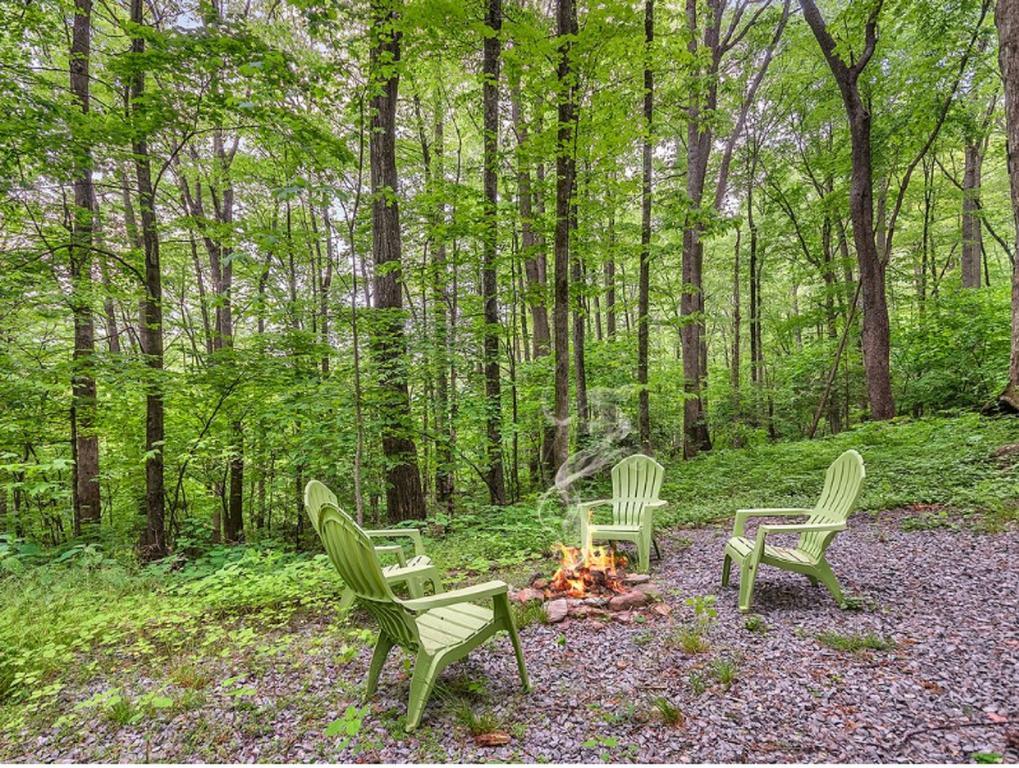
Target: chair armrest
(392, 549)
(464, 595)
(764, 530)
(656, 503)
(742, 515)
(393, 533)
(595, 503)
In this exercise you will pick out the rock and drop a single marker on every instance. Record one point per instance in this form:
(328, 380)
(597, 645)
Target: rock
(636, 578)
(527, 594)
(649, 589)
(633, 599)
(556, 610)
(597, 602)
(493, 739)
(539, 583)
(663, 609)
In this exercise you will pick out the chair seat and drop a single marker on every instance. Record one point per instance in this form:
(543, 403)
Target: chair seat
(452, 625)
(741, 547)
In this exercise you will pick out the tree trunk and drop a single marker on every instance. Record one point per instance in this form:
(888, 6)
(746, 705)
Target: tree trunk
(1007, 19)
(737, 319)
(876, 334)
(489, 278)
(83, 384)
(404, 497)
(643, 300)
(566, 26)
(579, 332)
(153, 543)
(610, 272)
(972, 239)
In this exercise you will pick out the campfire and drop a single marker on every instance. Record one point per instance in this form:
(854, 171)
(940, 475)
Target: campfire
(592, 586)
(596, 574)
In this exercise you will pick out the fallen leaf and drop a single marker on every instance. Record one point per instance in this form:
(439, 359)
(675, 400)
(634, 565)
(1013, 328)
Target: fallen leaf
(493, 739)
(662, 608)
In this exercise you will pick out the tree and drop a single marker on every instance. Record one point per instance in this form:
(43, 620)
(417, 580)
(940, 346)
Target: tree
(643, 303)
(489, 279)
(566, 166)
(404, 497)
(83, 407)
(1007, 19)
(153, 544)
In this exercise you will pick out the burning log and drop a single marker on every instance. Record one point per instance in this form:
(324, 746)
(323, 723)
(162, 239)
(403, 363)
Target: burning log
(580, 575)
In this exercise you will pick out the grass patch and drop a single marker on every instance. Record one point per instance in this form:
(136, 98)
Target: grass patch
(669, 712)
(855, 643)
(756, 624)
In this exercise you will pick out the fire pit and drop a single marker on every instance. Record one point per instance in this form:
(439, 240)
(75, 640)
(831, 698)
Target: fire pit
(594, 586)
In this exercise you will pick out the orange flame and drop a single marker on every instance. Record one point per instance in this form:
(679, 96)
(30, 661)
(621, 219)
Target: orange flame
(579, 575)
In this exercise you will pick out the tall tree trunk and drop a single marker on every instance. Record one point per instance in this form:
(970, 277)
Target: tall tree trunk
(566, 27)
(83, 383)
(610, 271)
(153, 543)
(1007, 19)
(404, 497)
(737, 319)
(972, 239)
(489, 278)
(579, 327)
(444, 464)
(643, 300)
(876, 333)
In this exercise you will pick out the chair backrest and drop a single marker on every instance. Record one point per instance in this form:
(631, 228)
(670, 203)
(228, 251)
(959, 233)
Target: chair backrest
(842, 484)
(353, 555)
(315, 495)
(636, 480)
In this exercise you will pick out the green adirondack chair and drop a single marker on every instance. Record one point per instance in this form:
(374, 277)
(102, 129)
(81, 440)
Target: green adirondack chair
(414, 573)
(842, 484)
(636, 483)
(439, 629)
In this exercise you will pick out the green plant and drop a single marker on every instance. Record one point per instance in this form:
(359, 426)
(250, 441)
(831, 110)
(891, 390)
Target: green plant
(531, 612)
(477, 724)
(671, 714)
(855, 643)
(755, 624)
(348, 725)
(697, 683)
(725, 670)
(691, 639)
(987, 757)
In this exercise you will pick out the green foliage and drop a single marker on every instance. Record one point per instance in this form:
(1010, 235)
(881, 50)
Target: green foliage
(531, 612)
(670, 713)
(725, 670)
(855, 643)
(756, 624)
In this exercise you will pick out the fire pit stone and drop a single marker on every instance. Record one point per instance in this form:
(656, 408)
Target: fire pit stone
(557, 610)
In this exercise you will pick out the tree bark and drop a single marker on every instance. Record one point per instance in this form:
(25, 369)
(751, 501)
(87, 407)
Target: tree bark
(566, 26)
(972, 238)
(153, 543)
(83, 384)
(876, 336)
(643, 300)
(1007, 19)
(404, 497)
(489, 279)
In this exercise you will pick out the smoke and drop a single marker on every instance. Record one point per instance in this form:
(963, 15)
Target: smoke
(606, 444)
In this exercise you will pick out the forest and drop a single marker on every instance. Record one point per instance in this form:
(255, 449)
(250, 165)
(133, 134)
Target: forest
(455, 259)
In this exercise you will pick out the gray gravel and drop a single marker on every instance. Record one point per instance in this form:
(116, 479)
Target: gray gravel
(946, 598)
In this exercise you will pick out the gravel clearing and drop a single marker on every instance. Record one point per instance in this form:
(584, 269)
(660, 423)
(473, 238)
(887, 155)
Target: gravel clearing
(945, 600)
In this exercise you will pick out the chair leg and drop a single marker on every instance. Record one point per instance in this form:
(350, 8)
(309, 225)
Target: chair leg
(726, 568)
(644, 554)
(658, 554)
(748, 573)
(827, 577)
(426, 671)
(505, 613)
(346, 600)
(382, 648)
(414, 587)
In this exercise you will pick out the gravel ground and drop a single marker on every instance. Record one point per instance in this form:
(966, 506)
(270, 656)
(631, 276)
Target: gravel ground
(947, 687)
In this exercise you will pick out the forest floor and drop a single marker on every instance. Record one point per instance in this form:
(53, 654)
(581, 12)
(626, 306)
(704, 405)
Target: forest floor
(919, 669)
